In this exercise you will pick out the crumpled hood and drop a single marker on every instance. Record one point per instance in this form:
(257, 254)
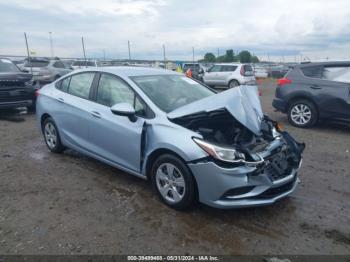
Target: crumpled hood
(242, 102)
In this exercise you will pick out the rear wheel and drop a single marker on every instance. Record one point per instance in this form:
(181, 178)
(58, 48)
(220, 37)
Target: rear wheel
(302, 113)
(173, 182)
(233, 84)
(52, 137)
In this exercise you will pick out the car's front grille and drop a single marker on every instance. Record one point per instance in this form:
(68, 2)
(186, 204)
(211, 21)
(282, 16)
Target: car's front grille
(277, 166)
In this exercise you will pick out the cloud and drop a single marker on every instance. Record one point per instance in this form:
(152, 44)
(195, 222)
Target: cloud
(275, 27)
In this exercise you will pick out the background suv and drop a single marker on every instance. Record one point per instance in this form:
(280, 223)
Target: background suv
(314, 91)
(45, 70)
(230, 75)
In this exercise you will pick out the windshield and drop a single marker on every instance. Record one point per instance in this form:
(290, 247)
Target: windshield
(7, 66)
(169, 92)
(83, 63)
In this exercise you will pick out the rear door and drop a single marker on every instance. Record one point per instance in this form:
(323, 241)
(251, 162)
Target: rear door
(113, 137)
(73, 109)
(227, 73)
(330, 84)
(212, 76)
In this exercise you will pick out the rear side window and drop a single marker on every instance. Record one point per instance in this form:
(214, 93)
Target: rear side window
(228, 68)
(65, 84)
(80, 84)
(312, 71)
(58, 64)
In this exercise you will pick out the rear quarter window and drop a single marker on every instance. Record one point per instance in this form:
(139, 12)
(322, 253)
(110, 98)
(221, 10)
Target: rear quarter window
(312, 71)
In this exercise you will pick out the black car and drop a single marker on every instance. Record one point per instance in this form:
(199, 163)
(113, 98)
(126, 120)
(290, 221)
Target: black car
(197, 70)
(313, 91)
(16, 87)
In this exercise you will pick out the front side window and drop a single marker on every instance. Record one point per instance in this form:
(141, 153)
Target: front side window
(80, 84)
(112, 90)
(169, 92)
(215, 68)
(336, 73)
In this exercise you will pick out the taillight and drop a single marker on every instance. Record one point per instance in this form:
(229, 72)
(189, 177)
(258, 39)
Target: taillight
(37, 93)
(284, 81)
(242, 71)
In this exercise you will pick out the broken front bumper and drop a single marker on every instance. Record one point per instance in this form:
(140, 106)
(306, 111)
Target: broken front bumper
(240, 187)
(247, 185)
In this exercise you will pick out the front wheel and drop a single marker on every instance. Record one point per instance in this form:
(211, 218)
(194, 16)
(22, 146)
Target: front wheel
(173, 182)
(302, 113)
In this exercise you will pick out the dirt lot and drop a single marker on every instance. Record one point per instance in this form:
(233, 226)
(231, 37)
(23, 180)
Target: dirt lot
(68, 203)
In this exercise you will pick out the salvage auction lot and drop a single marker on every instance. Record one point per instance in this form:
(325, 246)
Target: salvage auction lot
(69, 203)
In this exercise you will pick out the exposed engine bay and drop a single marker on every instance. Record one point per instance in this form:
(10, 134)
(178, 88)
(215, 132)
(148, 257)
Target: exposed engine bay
(221, 128)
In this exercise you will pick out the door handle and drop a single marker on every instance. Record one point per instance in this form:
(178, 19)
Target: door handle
(61, 100)
(96, 114)
(315, 87)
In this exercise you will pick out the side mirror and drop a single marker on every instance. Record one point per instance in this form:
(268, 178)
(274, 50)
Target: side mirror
(207, 70)
(124, 109)
(25, 71)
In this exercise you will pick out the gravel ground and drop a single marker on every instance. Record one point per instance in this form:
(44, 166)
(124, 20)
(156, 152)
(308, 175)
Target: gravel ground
(71, 204)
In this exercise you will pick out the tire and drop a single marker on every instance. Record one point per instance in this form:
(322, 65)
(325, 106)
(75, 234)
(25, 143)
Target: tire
(172, 175)
(233, 84)
(51, 136)
(307, 117)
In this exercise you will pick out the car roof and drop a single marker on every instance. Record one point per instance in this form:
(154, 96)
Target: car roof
(331, 63)
(229, 64)
(128, 71)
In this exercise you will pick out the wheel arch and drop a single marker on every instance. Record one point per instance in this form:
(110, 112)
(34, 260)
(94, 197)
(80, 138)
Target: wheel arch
(302, 97)
(152, 157)
(42, 119)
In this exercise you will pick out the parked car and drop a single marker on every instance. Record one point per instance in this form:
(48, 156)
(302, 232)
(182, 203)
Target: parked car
(278, 71)
(46, 70)
(17, 88)
(229, 75)
(190, 141)
(313, 91)
(79, 64)
(261, 72)
(197, 70)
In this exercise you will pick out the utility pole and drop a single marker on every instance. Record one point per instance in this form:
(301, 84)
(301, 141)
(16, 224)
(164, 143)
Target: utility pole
(218, 52)
(82, 42)
(164, 57)
(192, 54)
(51, 46)
(25, 37)
(129, 51)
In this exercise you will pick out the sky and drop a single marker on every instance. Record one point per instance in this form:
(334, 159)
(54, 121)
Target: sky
(278, 30)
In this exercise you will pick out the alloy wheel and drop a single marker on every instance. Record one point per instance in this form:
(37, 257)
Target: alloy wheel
(170, 183)
(50, 135)
(301, 114)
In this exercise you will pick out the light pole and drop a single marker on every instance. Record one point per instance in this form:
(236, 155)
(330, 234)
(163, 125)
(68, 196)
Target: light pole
(51, 46)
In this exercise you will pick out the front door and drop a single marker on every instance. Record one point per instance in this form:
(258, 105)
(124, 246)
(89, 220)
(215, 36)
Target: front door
(113, 137)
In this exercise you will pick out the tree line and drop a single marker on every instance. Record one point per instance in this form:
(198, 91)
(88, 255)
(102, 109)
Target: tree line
(243, 57)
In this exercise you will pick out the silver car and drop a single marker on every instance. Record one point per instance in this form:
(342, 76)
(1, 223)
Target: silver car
(192, 143)
(45, 70)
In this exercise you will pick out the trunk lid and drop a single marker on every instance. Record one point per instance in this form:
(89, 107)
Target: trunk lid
(241, 102)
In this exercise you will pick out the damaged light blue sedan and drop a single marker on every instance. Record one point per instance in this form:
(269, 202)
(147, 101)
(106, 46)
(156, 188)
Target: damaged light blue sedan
(192, 143)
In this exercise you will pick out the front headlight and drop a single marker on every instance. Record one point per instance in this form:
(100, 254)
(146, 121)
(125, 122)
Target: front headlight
(221, 153)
